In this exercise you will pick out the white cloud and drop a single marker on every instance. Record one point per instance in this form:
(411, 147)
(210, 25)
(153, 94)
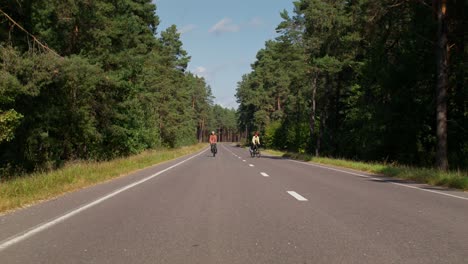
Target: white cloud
(256, 22)
(227, 102)
(226, 25)
(187, 28)
(201, 71)
(223, 26)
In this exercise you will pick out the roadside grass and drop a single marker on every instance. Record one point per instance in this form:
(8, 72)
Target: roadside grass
(21, 191)
(451, 179)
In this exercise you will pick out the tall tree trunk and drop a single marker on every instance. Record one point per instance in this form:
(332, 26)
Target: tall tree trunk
(203, 130)
(323, 115)
(322, 129)
(246, 134)
(278, 103)
(336, 120)
(319, 136)
(200, 132)
(313, 106)
(442, 83)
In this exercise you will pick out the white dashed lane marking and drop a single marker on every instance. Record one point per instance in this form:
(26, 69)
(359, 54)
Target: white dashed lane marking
(297, 196)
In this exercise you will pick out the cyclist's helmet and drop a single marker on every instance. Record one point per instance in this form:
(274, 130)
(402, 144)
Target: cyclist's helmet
(212, 132)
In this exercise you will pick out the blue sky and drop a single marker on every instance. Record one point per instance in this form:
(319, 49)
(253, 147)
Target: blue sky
(222, 37)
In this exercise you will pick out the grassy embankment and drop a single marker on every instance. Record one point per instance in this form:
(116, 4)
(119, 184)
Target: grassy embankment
(450, 179)
(21, 191)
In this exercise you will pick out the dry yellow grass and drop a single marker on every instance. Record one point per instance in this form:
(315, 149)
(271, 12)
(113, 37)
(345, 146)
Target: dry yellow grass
(22, 191)
(452, 179)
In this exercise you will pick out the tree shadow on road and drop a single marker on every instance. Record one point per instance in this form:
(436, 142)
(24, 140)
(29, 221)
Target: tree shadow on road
(272, 157)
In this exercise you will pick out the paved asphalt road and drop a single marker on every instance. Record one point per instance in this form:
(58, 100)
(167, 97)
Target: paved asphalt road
(237, 209)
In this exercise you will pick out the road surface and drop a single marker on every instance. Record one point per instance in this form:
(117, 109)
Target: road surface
(236, 209)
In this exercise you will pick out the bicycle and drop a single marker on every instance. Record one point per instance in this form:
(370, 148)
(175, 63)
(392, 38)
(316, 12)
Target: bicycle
(255, 151)
(214, 149)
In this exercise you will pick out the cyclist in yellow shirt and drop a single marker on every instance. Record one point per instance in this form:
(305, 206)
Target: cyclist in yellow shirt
(255, 143)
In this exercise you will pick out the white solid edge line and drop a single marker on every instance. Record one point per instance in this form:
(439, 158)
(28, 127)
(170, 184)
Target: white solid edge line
(41, 227)
(310, 164)
(297, 196)
(395, 183)
(264, 174)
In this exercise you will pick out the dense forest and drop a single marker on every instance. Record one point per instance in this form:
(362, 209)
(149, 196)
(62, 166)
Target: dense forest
(95, 80)
(368, 80)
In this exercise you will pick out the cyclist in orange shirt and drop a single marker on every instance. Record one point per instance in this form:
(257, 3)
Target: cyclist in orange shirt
(213, 141)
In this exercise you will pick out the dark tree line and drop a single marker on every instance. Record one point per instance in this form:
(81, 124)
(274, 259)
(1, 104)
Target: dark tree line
(369, 80)
(93, 80)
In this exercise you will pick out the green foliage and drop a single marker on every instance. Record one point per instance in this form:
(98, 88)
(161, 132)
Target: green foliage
(272, 135)
(224, 123)
(117, 90)
(9, 121)
(170, 40)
